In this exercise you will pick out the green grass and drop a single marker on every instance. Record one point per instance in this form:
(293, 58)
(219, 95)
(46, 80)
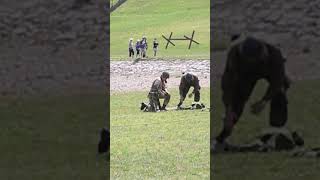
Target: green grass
(304, 116)
(136, 18)
(164, 145)
(52, 138)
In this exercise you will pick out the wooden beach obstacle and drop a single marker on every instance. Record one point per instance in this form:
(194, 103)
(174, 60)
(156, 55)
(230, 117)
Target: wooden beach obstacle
(185, 38)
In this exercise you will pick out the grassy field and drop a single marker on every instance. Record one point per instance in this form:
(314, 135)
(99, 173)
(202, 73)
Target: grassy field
(164, 145)
(304, 116)
(52, 138)
(136, 18)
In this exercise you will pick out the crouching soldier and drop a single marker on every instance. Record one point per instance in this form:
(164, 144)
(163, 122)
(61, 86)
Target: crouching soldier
(249, 61)
(158, 91)
(189, 80)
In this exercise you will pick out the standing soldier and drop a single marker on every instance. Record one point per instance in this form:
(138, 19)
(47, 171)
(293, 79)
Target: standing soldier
(131, 52)
(247, 62)
(158, 91)
(188, 80)
(155, 46)
(138, 48)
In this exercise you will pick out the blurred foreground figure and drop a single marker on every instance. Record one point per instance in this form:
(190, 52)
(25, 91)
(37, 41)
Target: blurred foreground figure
(104, 143)
(249, 61)
(80, 3)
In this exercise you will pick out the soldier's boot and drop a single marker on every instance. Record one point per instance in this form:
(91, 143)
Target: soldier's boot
(217, 147)
(179, 105)
(163, 108)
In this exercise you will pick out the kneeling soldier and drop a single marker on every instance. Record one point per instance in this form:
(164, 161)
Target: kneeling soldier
(158, 91)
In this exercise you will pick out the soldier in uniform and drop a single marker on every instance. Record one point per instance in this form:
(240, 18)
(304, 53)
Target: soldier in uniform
(249, 61)
(158, 91)
(189, 80)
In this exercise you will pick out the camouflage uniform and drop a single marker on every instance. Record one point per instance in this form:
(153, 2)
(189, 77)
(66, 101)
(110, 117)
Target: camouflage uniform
(247, 62)
(189, 80)
(157, 92)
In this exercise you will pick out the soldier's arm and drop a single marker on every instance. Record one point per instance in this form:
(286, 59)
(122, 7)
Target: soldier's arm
(196, 84)
(157, 85)
(160, 88)
(182, 85)
(230, 75)
(181, 88)
(277, 77)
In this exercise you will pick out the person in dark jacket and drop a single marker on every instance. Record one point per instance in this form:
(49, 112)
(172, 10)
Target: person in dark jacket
(187, 81)
(249, 61)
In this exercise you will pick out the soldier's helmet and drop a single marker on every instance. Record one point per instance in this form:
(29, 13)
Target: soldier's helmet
(189, 77)
(165, 75)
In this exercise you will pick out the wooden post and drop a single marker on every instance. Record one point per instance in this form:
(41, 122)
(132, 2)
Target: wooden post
(191, 39)
(169, 40)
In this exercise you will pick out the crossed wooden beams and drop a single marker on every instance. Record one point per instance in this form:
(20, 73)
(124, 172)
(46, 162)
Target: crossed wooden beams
(186, 38)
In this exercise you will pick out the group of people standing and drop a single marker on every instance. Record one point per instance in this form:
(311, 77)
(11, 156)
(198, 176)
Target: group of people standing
(141, 47)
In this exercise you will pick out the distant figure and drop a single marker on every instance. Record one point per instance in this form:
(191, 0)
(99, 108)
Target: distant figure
(104, 143)
(144, 38)
(143, 48)
(248, 61)
(131, 52)
(158, 91)
(155, 46)
(138, 48)
(189, 80)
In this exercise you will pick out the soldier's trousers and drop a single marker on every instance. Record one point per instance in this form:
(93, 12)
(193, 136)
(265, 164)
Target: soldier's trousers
(154, 101)
(184, 91)
(278, 107)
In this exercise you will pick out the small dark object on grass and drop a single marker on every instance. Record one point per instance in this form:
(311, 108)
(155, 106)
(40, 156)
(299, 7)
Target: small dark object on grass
(197, 105)
(104, 143)
(143, 106)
